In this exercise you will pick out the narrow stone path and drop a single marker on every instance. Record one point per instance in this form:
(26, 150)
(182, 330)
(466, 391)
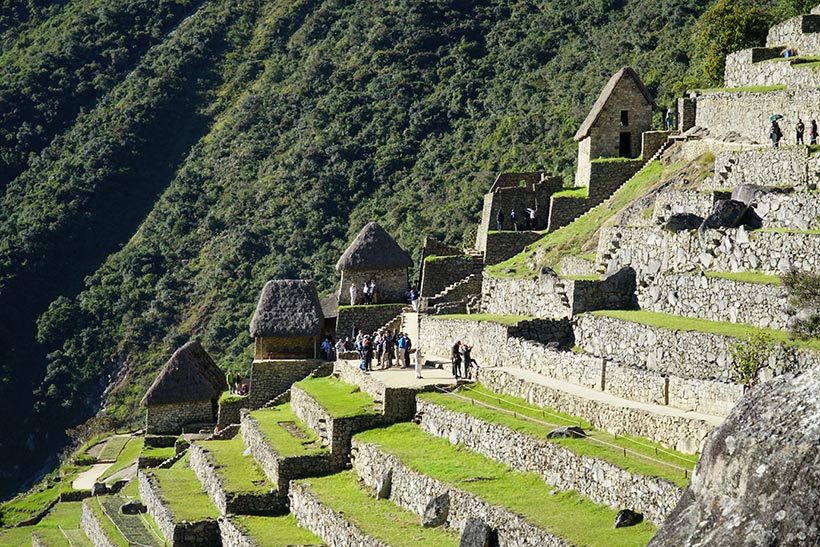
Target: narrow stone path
(86, 479)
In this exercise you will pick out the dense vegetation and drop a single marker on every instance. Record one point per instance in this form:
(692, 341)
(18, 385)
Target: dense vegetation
(161, 159)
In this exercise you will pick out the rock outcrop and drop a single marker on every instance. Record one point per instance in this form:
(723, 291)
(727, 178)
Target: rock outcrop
(758, 480)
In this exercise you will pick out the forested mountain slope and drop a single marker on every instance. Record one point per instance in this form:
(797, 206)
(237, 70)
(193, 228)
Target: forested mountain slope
(162, 159)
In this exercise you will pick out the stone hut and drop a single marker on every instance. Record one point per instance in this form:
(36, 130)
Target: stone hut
(616, 123)
(185, 392)
(288, 320)
(374, 254)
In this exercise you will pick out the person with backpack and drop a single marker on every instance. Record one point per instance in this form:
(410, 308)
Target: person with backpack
(813, 132)
(455, 356)
(801, 128)
(499, 220)
(775, 134)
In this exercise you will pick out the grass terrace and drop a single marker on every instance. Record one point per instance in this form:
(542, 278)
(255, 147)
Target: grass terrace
(239, 472)
(64, 518)
(127, 456)
(16, 537)
(181, 490)
(565, 514)
(508, 320)
(288, 445)
(339, 399)
(635, 454)
(677, 322)
(747, 277)
(125, 530)
(436, 258)
(113, 447)
(275, 531)
(579, 192)
(572, 238)
(160, 454)
(746, 89)
(40, 497)
(380, 519)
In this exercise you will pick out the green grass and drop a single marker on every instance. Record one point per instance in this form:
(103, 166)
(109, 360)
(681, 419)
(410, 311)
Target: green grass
(38, 498)
(66, 516)
(16, 537)
(129, 529)
(747, 277)
(588, 256)
(183, 493)
(339, 399)
(112, 448)
(565, 514)
(580, 192)
(436, 258)
(227, 398)
(677, 322)
(658, 461)
(111, 532)
(571, 239)
(746, 89)
(239, 473)
(615, 159)
(595, 277)
(394, 305)
(158, 453)
(280, 439)
(509, 320)
(786, 231)
(279, 531)
(128, 456)
(380, 519)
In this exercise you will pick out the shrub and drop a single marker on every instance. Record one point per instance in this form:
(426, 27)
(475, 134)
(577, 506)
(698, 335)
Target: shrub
(749, 356)
(804, 290)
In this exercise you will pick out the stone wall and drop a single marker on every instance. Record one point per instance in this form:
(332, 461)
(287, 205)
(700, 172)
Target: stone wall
(681, 433)
(673, 202)
(441, 271)
(92, 526)
(564, 210)
(800, 33)
(687, 113)
(794, 211)
(503, 245)
(229, 411)
(717, 299)
(575, 265)
(281, 470)
(326, 523)
(270, 378)
(413, 491)
(367, 318)
(742, 70)
(391, 284)
(607, 176)
(170, 418)
(489, 339)
(294, 347)
(599, 480)
(399, 403)
(232, 536)
(243, 503)
(747, 113)
(670, 351)
(788, 166)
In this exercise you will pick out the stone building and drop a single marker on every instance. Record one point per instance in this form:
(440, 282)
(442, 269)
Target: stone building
(374, 254)
(185, 392)
(288, 320)
(616, 123)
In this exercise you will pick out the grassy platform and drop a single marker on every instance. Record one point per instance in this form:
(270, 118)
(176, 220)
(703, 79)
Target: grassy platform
(275, 531)
(160, 454)
(270, 421)
(508, 320)
(339, 399)
(643, 457)
(65, 517)
(113, 447)
(127, 456)
(124, 530)
(180, 488)
(565, 514)
(747, 277)
(689, 324)
(38, 499)
(239, 473)
(380, 519)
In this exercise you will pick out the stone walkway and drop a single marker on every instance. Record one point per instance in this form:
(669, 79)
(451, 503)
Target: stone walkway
(86, 479)
(406, 377)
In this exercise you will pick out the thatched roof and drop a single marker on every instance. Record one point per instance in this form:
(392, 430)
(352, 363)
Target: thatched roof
(374, 249)
(330, 305)
(287, 308)
(606, 93)
(189, 375)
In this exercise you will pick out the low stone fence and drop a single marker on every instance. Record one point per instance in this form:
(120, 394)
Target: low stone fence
(334, 432)
(599, 480)
(241, 503)
(681, 433)
(272, 377)
(179, 534)
(718, 299)
(281, 470)
(653, 250)
(326, 523)
(232, 536)
(671, 351)
(92, 526)
(414, 491)
(399, 403)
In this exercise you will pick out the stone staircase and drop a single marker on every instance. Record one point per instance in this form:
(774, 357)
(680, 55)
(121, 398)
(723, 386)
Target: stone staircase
(456, 296)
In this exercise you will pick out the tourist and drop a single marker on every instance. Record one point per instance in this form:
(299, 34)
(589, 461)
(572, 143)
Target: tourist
(368, 353)
(327, 349)
(513, 221)
(231, 379)
(414, 299)
(372, 290)
(237, 384)
(419, 362)
(408, 344)
(340, 346)
(499, 220)
(813, 132)
(775, 134)
(348, 345)
(669, 119)
(354, 293)
(800, 129)
(455, 356)
(365, 293)
(467, 359)
(401, 344)
(530, 219)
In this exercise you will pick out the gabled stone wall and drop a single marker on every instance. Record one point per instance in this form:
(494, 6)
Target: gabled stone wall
(170, 418)
(391, 284)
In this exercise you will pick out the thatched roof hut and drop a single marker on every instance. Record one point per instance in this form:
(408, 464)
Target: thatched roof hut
(287, 308)
(189, 375)
(373, 249)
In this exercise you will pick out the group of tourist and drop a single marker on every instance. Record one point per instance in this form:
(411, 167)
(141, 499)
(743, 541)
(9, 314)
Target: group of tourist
(235, 384)
(368, 295)
(384, 346)
(462, 360)
(776, 134)
(528, 224)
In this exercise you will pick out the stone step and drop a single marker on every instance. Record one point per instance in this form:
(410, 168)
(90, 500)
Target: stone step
(514, 438)
(681, 430)
(445, 484)
(342, 513)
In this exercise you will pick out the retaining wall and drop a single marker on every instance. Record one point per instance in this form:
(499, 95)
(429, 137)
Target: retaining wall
(789, 166)
(599, 480)
(399, 403)
(503, 245)
(230, 411)
(801, 33)
(442, 271)
(413, 491)
(272, 377)
(742, 70)
(93, 527)
(367, 318)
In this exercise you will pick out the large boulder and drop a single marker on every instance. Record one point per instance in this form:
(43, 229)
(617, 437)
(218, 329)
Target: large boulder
(384, 484)
(567, 432)
(726, 213)
(758, 479)
(437, 511)
(683, 222)
(476, 533)
(749, 193)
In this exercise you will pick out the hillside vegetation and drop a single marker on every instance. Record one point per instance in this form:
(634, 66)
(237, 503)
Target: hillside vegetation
(162, 159)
